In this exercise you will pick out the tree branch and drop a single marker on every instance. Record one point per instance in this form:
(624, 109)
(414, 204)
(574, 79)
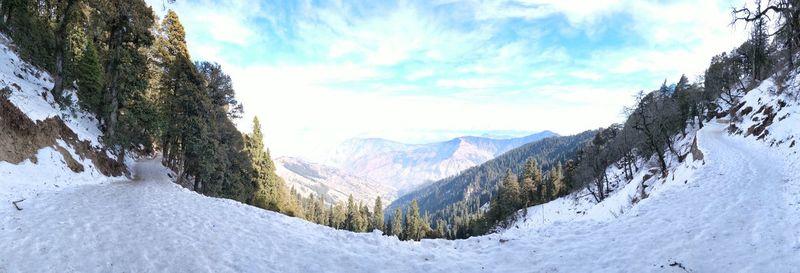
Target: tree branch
(15, 204)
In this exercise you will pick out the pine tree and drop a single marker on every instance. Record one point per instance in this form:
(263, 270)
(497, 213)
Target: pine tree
(559, 183)
(509, 193)
(90, 80)
(378, 212)
(350, 222)
(414, 228)
(128, 26)
(365, 219)
(532, 181)
(425, 226)
(397, 224)
(270, 191)
(441, 229)
(507, 202)
(319, 209)
(338, 217)
(527, 188)
(757, 51)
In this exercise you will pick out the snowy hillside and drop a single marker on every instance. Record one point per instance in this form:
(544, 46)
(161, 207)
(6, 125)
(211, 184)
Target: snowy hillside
(43, 148)
(334, 184)
(406, 166)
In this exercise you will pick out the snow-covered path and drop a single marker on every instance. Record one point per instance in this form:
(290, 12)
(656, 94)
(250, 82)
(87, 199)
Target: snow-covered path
(733, 214)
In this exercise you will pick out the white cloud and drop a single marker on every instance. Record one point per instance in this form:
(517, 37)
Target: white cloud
(208, 21)
(471, 83)
(349, 79)
(586, 75)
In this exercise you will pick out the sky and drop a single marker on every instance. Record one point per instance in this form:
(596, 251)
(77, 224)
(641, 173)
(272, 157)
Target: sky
(318, 72)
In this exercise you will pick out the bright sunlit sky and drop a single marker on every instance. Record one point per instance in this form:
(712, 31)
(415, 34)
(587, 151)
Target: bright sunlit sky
(319, 72)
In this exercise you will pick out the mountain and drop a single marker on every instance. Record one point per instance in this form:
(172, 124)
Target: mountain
(407, 166)
(334, 184)
(473, 186)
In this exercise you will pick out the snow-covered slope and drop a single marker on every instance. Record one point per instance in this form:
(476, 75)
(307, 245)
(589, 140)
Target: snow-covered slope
(406, 166)
(332, 183)
(47, 148)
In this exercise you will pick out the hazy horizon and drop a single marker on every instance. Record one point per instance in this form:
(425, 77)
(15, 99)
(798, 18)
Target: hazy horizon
(318, 73)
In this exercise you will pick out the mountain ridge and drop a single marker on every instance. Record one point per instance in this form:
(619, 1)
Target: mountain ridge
(407, 166)
(333, 184)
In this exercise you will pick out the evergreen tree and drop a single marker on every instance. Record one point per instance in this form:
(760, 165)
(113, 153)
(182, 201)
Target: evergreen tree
(378, 222)
(441, 229)
(127, 32)
(90, 80)
(319, 208)
(533, 186)
(397, 224)
(425, 227)
(413, 227)
(364, 219)
(559, 183)
(756, 48)
(507, 201)
(270, 191)
(351, 221)
(338, 217)
(527, 187)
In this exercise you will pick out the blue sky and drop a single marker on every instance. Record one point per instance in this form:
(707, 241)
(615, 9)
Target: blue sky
(319, 72)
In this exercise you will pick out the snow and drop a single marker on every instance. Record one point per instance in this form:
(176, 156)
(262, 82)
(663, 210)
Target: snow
(50, 173)
(30, 93)
(733, 213)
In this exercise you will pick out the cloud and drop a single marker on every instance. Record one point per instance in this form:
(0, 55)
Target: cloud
(586, 75)
(319, 72)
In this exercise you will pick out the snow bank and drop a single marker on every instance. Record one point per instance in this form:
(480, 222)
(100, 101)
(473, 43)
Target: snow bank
(30, 93)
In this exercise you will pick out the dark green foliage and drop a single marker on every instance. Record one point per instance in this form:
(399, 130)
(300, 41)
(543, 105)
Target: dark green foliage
(270, 191)
(220, 89)
(508, 200)
(90, 80)
(22, 19)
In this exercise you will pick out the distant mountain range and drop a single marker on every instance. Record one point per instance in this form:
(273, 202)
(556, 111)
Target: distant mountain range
(470, 190)
(334, 184)
(408, 166)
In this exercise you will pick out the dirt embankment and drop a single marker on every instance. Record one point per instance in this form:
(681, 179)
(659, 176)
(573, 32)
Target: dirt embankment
(21, 138)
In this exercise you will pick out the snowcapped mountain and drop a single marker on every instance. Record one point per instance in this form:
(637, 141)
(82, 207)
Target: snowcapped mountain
(406, 166)
(334, 184)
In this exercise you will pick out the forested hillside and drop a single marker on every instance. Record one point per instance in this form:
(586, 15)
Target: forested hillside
(134, 74)
(459, 200)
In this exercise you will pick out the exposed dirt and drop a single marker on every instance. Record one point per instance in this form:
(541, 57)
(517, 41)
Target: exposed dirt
(21, 138)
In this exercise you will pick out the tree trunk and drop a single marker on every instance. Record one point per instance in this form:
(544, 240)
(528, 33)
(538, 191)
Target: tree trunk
(112, 94)
(61, 43)
(663, 163)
